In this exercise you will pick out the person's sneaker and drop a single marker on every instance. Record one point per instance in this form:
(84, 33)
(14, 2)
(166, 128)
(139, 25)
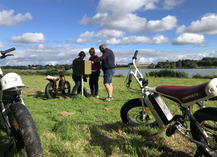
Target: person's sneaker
(88, 95)
(96, 96)
(108, 99)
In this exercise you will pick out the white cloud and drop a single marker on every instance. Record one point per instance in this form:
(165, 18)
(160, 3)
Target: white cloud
(85, 37)
(120, 15)
(8, 18)
(207, 24)
(99, 17)
(1, 45)
(29, 38)
(125, 6)
(41, 46)
(69, 40)
(128, 40)
(64, 54)
(170, 4)
(165, 24)
(159, 39)
(189, 38)
(107, 33)
(128, 22)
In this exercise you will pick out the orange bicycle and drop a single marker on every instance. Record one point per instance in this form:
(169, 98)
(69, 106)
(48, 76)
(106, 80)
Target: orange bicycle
(51, 88)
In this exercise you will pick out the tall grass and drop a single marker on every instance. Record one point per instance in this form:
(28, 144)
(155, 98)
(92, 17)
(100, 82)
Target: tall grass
(90, 127)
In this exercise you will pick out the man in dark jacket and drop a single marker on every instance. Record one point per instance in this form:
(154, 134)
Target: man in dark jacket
(108, 67)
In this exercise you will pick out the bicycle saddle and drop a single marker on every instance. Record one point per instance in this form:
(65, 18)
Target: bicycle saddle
(53, 78)
(184, 94)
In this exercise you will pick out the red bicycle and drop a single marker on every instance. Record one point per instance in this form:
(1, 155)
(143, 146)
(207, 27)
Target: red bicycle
(51, 88)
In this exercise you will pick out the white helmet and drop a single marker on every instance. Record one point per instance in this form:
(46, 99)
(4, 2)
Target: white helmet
(11, 80)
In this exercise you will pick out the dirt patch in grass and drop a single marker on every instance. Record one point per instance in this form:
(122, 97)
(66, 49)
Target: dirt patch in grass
(64, 113)
(179, 146)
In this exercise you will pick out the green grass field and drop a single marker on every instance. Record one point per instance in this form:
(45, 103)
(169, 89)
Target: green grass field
(89, 127)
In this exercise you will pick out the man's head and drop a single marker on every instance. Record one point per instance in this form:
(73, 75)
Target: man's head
(102, 47)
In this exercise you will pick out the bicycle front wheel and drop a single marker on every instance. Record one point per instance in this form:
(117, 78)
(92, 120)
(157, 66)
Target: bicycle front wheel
(131, 113)
(49, 91)
(67, 88)
(24, 131)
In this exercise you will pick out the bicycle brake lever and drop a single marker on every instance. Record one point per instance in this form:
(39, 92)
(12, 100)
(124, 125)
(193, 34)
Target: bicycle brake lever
(4, 56)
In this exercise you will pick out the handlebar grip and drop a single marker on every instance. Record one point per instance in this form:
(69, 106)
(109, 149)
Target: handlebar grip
(135, 55)
(130, 78)
(129, 81)
(6, 51)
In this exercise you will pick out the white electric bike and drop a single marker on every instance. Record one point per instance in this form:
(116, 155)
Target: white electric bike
(152, 111)
(15, 118)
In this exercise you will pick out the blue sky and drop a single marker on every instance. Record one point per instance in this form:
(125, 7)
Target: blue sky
(55, 31)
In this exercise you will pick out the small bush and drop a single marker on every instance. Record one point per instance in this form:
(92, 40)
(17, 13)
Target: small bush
(199, 76)
(167, 73)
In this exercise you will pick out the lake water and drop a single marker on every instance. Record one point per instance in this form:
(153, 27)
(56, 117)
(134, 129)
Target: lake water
(190, 72)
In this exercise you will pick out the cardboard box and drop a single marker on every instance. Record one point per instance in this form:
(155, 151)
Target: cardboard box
(82, 67)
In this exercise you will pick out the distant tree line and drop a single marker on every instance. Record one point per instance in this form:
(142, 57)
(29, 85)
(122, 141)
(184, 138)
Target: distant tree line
(48, 67)
(187, 63)
(39, 67)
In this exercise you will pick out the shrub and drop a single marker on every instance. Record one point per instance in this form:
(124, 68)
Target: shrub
(204, 76)
(167, 73)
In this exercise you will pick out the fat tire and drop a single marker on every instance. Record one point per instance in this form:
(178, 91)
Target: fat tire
(24, 131)
(48, 93)
(204, 114)
(66, 91)
(127, 107)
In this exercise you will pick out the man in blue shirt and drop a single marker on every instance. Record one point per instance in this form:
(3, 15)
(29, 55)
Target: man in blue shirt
(108, 67)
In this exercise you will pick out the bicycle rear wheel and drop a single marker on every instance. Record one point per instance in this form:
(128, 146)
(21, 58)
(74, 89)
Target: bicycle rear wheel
(207, 118)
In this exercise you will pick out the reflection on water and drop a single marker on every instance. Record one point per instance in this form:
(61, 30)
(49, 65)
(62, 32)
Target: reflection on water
(190, 72)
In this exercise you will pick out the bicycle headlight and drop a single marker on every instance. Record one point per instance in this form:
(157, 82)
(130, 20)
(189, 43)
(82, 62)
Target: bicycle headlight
(11, 80)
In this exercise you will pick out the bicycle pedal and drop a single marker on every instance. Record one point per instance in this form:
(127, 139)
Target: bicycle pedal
(171, 130)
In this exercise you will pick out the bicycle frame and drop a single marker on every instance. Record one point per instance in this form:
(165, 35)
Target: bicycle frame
(146, 91)
(61, 78)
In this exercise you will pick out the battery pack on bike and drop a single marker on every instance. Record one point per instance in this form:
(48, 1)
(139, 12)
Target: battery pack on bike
(159, 109)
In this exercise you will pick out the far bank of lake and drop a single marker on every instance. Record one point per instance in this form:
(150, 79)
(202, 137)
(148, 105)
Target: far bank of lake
(190, 72)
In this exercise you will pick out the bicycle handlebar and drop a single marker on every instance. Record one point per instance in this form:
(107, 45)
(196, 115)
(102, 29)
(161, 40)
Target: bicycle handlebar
(142, 82)
(3, 53)
(7, 51)
(135, 55)
(131, 75)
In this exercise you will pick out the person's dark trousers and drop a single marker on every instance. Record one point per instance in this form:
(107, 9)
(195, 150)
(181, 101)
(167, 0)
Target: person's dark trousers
(93, 82)
(77, 86)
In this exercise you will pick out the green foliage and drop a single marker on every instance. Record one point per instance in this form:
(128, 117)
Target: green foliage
(167, 73)
(37, 72)
(187, 63)
(204, 76)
